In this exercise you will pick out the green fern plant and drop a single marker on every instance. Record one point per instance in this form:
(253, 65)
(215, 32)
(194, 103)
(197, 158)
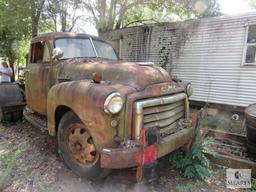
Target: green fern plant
(194, 163)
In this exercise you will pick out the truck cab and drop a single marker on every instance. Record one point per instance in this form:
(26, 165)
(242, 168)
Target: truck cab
(106, 113)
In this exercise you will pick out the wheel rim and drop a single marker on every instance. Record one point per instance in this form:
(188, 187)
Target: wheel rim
(81, 145)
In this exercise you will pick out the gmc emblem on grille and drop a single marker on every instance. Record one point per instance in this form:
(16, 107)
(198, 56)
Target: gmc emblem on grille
(167, 89)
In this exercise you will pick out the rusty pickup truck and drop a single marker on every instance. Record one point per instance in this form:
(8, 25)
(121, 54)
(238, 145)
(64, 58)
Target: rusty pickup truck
(106, 113)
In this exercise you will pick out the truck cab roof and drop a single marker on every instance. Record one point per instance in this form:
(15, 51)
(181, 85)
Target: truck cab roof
(57, 35)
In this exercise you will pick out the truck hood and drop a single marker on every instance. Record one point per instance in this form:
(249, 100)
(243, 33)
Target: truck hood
(117, 72)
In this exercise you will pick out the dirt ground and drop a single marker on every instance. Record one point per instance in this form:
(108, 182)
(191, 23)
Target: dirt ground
(29, 162)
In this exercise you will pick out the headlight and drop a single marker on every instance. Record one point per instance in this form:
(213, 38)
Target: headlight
(189, 89)
(113, 103)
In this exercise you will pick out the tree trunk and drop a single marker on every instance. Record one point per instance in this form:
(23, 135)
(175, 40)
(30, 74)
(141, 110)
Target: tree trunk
(64, 21)
(36, 10)
(34, 27)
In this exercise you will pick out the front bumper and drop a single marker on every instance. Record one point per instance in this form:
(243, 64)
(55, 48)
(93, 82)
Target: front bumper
(126, 157)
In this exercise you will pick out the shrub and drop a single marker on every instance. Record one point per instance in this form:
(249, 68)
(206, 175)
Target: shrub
(194, 163)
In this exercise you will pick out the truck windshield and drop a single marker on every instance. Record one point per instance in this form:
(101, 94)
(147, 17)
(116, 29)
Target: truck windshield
(84, 48)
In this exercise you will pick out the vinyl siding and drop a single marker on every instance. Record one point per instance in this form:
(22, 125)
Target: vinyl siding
(207, 52)
(212, 61)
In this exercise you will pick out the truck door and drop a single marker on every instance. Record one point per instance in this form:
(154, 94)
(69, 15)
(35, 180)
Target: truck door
(37, 78)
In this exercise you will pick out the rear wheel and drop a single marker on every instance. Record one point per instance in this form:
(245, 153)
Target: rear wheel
(77, 148)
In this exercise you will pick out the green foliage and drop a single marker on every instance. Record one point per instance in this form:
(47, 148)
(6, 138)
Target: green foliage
(194, 163)
(14, 28)
(218, 122)
(8, 161)
(253, 188)
(23, 19)
(251, 3)
(185, 9)
(22, 51)
(109, 15)
(191, 186)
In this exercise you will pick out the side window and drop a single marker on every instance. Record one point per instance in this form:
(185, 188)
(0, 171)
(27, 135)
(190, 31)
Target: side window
(39, 53)
(46, 57)
(250, 46)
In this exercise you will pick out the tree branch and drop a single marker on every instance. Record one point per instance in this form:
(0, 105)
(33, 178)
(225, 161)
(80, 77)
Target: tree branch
(74, 22)
(140, 21)
(90, 8)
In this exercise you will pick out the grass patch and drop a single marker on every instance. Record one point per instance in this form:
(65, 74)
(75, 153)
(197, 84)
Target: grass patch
(46, 188)
(253, 188)
(1, 128)
(8, 161)
(190, 186)
(218, 173)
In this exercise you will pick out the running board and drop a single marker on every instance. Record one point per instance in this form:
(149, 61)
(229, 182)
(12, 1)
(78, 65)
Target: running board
(37, 120)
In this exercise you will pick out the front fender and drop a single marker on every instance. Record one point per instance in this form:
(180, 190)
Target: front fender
(86, 99)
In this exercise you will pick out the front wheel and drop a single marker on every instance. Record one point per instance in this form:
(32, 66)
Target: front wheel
(77, 148)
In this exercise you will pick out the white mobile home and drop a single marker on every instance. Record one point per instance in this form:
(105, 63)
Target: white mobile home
(217, 55)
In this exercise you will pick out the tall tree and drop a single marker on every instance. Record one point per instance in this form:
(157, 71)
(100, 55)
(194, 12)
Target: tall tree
(35, 8)
(19, 22)
(114, 14)
(64, 14)
(14, 27)
(108, 15)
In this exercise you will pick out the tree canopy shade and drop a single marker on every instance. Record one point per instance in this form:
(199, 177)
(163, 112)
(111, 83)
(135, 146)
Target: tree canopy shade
(63, 15)
(20, 20)
(114, 14)
(252, 3)
(23, 19)
(15, 26)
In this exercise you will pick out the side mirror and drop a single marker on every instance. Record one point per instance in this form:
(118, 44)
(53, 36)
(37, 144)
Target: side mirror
(57, 53)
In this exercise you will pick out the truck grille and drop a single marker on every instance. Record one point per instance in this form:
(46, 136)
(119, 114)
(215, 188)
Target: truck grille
(163, 113)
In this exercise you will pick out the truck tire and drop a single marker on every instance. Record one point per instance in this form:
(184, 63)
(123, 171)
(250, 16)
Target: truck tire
(77, 148)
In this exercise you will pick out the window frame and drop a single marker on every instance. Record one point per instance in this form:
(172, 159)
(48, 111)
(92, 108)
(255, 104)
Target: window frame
(99, 40)
(77, 38)
(246, 46)
(49, 53)
(91, 41)
(32, 53)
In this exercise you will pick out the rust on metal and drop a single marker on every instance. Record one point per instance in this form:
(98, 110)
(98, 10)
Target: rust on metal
(250, 117)
(151, 100)
(230, 151)
(12, 100)
(81, 145)
(118, 158)
(11, 94)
